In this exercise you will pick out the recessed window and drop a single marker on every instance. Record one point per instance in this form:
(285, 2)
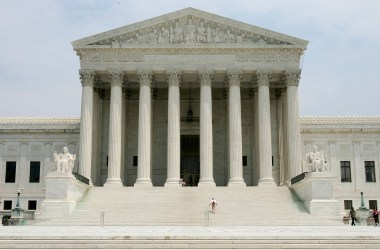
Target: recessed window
(34, 173)
(7, 205)
(347, 204)
(245, 161)
(10, 172)
(370, 171)
(135, 161)
(372, 204)
(345, 171)
(32, 205)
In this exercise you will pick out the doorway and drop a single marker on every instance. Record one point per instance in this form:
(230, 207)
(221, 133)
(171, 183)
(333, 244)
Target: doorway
(190, 159)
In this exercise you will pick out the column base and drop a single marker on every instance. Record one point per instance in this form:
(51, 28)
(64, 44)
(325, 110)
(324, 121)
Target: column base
(206, 183)
(266, 182)
(173, 183)
(143, 183)
(236, 183)
(113, 183)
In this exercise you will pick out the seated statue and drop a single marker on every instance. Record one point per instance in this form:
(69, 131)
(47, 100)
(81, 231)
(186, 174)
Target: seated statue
(64, 162)
(315, 161)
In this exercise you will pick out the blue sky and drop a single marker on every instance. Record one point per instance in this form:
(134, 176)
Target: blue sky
(39, 69)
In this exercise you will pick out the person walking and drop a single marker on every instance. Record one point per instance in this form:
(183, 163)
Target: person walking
(213, 204)
(352, 215)
(375, 215)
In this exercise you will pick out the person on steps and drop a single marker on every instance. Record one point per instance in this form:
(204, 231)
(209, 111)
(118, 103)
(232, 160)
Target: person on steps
(352, 215)
(213, 204)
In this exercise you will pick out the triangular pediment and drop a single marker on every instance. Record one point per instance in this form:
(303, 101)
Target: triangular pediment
(189, 27)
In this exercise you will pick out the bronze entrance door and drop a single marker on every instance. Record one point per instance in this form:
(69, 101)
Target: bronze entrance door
(190, 159)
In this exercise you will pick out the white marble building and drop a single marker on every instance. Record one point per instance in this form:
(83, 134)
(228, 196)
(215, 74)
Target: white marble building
(195, 96)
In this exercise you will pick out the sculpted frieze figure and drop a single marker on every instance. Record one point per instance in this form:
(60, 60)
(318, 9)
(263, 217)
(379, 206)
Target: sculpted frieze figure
(176, 35)
(64, 162)
(164, 37)
(189, 30)
(316, 161)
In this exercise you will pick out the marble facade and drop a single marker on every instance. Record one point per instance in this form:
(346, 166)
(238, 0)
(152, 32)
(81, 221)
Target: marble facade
(139, 83)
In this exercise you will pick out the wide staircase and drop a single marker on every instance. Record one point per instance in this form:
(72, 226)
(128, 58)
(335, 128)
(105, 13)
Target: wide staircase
(190, 206)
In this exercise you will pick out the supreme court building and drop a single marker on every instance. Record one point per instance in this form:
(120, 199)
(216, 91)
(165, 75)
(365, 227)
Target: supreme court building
(189, 95)
(194, 96)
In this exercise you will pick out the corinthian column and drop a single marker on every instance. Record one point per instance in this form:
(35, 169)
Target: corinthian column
(265, 141)
(206, 150)
(291, 78)
(114, 145)
(235, 138)
(144, 132)
(174, 139)
(85, 143)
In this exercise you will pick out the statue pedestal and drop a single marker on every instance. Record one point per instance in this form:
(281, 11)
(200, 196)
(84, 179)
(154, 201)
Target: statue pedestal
(362, 214)
(316, 191)
(62, 194)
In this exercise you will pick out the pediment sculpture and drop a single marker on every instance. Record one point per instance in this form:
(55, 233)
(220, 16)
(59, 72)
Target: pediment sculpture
(64, 162)
(189, 30)
(316, 161)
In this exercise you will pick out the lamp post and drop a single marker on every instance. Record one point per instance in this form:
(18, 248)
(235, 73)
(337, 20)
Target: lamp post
(362, 206)
(18, 199)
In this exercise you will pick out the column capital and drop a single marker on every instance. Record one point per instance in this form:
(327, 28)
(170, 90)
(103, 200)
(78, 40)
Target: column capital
(87, 77)
(234, 77)
(145, 77)
(206, 77)
(263, 77)
(174, 77)
(291, 77)
(116, 77)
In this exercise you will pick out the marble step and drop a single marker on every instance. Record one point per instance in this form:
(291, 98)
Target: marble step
(181, 242)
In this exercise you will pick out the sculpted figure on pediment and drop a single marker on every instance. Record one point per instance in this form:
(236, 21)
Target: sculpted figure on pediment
(115, 43)
(152, 37)
(202, 33)
(229, 37)
(176, 33)
(190, 31)
(164, 37)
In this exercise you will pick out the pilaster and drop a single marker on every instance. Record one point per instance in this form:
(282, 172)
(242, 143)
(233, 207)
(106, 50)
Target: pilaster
(358, 166)
(23, 171)
(235, 133)
(144, 130)
(47, 166)
(174, 133)
(114, 148)
(206, 140)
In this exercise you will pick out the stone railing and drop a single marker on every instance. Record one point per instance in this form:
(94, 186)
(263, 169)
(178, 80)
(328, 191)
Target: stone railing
(298, 178)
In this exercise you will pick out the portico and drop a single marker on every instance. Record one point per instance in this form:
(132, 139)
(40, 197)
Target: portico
(240, 82)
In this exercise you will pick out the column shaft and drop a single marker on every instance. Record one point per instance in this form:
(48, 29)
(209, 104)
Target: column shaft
(293, 125)
(144, 131)
(114, 145)
(174, 136)
(265, 138)
(235, 136)
(206, 141)
(85, 143)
